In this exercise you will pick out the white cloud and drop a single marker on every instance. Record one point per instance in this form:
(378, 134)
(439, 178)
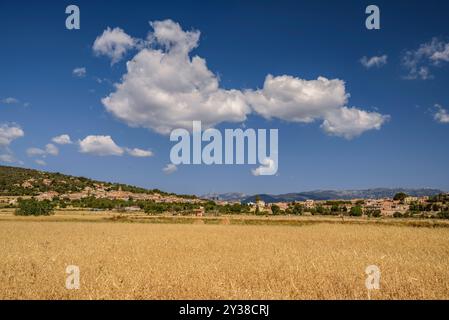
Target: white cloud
(79, 72)
(12, 100)
(170, 35)
(8, 158)
(431, 54)
(136, 152)
(40, 162)
(9, 100)
(62, 139)
(105, 146)
(165, 88)
(351, 122)
(170, 168)
(113, 43)
(293, 99)
(442, 54)
(298, 100)
(441, 115)
(100, 146)
(51, 149)
(9, 133)
(33, 152)
(376, 61)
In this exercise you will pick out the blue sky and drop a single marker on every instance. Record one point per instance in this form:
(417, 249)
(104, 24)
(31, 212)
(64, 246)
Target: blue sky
(403, 144)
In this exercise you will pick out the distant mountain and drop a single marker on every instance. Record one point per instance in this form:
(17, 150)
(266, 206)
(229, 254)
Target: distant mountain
(376, 193)
(230, 196)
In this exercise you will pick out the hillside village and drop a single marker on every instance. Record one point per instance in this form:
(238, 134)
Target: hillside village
(64, 191)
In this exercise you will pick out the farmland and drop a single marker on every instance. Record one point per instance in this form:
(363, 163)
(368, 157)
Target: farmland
(132, 258)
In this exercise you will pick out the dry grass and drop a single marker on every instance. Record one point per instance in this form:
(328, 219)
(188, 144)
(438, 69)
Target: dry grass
(203, 261)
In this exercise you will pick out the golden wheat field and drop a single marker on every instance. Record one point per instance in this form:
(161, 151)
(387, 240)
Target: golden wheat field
(200, 261)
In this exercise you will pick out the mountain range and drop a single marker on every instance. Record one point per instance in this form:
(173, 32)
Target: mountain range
(375, 193)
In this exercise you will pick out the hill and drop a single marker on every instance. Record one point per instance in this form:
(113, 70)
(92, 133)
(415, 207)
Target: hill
(16, 181)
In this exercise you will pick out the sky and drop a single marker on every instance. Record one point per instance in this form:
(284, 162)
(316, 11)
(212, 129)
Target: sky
(354, 108)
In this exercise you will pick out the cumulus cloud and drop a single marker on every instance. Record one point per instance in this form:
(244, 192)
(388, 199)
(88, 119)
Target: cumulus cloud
(33, 152)
(431, 54)
(376, 61)
(352, 122)
(139, 153)
(9, 133)
(166, 88)
(293, 99)
(40, 162)
(9, 100)
(113, 43)
(298, 100)
(170, 168)
(12, 100)
(8, 158)
(441, 115)
(62, 139)
(100, 146)
(79, 72)
(105, 146)
(50, 149)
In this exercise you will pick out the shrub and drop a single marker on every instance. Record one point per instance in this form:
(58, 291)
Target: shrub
(376, 213)
(397, 215)
(400, 196)
(275, 209)
(443, 215)
(32, 207)
(356, 211)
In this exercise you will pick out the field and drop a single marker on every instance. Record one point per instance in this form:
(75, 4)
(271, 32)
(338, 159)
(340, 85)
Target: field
(220, 260)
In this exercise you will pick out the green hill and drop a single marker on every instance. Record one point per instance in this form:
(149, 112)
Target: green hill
(28, 182)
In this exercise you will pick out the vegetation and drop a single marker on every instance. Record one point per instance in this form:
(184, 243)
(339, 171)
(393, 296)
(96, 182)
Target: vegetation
(27, 182)
(295, 209)
(400, 196)
(397, 215)
(356, 211)
(275, 209)
(32, 207)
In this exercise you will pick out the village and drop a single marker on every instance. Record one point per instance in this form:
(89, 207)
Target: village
(355, 207)
(401, 205)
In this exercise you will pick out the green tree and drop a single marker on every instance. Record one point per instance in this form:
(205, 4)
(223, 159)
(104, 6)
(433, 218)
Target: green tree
(397, 215)
(297, 209)
(443, 215)
(356, 211)
(400, 196)
(275, 209)
(32, 207)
